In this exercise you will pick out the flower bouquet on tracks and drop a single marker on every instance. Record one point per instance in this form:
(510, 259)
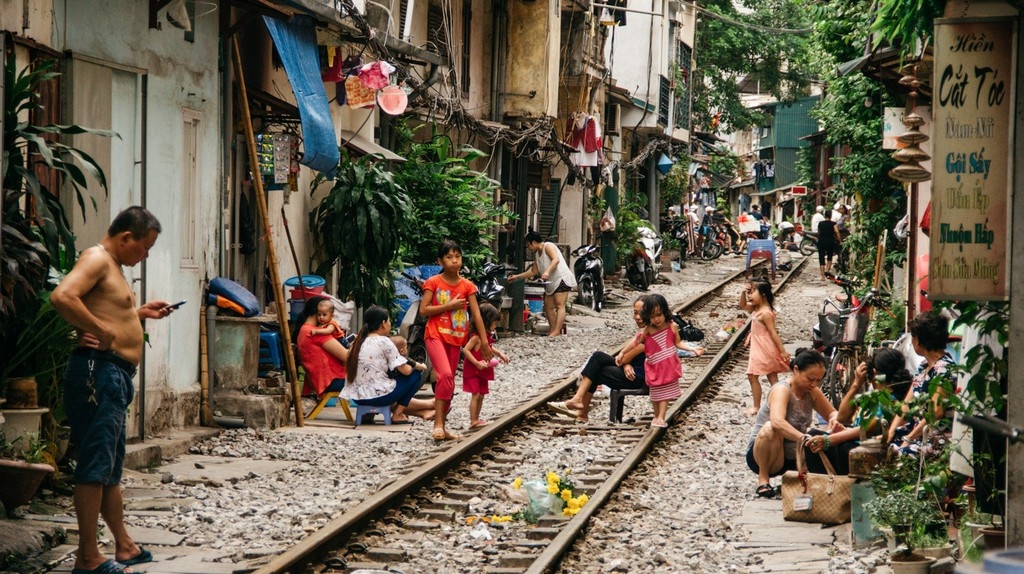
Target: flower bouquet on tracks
(554, 494)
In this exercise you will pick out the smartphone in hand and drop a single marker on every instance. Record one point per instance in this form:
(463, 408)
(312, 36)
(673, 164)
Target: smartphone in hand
(176, 305)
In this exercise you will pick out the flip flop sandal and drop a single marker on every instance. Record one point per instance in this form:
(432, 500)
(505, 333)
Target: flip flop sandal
(108, 567)
(765, 491)
(141, 558)
(561, 408)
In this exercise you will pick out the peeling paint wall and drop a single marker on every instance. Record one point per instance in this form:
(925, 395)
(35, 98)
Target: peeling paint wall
(534, 29)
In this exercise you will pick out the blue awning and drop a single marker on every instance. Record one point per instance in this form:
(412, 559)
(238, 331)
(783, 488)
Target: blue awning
(295, 40)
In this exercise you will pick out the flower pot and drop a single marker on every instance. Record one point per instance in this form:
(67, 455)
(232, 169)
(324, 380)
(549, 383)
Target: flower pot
(21, 480)
(22, 393)
(17, 423)
(913, 566)
(937, 552)
(995, 538)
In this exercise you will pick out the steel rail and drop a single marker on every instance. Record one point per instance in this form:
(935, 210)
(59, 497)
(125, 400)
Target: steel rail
(317, 545)
(552, 554)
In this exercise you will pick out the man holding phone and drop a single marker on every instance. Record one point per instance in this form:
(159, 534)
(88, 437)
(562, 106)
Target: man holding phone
(97, 299)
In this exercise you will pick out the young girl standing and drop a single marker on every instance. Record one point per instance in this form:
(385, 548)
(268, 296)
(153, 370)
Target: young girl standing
(476, 372)
(663, 368)
(768, 356)
(449, 302)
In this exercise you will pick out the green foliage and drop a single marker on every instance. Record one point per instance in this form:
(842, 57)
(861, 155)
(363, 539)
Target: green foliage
(901, 510)
(360, 225)
(904, 22)
(449, 200)
(727, 54)
(676, 183)
(984, 367)
(35, 230)
(626, 234)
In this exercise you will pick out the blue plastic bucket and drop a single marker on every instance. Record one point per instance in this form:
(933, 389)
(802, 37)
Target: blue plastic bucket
(307, 280)
(534, 299)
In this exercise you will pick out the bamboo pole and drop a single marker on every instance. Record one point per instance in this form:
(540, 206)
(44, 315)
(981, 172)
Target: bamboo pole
(261, 202)
(205, 414)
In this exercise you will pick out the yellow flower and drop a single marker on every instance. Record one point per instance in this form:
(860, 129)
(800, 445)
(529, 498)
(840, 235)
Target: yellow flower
(553, 477)
(583, 499)
(566, 511)
(553, 488)
(517, 483)
(573, 503)
(505, 518)
(567, 495)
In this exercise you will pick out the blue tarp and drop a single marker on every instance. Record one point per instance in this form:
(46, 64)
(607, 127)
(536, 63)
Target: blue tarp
(296, 43)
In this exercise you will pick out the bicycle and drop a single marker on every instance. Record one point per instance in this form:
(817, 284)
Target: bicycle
(840, 337)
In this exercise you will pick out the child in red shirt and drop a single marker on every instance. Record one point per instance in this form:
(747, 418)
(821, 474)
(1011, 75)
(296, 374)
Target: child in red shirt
(477, 373)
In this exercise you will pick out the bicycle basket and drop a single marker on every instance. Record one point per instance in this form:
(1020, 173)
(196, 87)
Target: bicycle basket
(856, 328)
(828, 326)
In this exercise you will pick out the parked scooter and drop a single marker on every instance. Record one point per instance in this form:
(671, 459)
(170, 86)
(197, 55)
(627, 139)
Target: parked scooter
(411, 325)
(714, 244)
(644, 264)
(589, 270)
(487, 286)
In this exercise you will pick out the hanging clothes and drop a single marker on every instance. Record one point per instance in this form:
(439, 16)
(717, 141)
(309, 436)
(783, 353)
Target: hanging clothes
(585, 138)
(376, 74)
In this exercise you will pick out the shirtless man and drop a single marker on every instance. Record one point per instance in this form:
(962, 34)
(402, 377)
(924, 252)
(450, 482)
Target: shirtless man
(97, 300)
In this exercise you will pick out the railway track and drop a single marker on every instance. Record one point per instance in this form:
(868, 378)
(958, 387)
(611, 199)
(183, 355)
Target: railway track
(410, 523)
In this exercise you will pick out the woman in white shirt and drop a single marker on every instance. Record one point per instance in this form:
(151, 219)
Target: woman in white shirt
(372, 359)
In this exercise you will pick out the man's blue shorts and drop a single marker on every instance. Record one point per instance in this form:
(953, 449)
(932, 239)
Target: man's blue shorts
(97, 391)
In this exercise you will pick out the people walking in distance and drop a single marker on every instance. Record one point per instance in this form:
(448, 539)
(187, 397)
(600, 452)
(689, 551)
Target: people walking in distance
(97, 299)
(449, 303)
(551, 267)
(768, 356)
(476, 372)
(828, 243)
(784, 418)
(818, 217)
(604, 369)
(663, 368)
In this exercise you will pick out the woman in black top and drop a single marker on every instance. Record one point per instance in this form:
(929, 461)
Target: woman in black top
(828, 242)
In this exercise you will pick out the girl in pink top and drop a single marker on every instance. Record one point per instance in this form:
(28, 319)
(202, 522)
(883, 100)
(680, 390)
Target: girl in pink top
(662, 369)
(767, 354)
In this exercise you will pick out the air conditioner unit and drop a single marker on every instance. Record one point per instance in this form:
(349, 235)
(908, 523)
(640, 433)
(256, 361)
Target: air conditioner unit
(613, 119)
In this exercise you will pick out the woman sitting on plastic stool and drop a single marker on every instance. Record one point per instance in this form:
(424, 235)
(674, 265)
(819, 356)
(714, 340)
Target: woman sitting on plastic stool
(322, 356)
(370, 358)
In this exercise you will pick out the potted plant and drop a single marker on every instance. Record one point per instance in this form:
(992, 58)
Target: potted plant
(21, 474)
(36, 240)
(901, 511)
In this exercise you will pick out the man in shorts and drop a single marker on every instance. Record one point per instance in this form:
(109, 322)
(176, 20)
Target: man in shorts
(97, 299)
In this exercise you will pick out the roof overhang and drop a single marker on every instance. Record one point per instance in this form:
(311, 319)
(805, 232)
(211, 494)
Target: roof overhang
(363, 146)
(886, 65)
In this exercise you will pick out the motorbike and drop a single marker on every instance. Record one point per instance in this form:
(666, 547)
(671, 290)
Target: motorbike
(679, 230)
(645, 263)
(488, 288)
(589, 271)
(408, 286)
(714, 244)
(809, 243)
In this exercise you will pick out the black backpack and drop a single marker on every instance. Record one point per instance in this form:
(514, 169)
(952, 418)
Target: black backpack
(687, 330)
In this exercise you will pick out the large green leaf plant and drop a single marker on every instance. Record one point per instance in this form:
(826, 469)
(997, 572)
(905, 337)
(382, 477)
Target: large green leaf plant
(36, 241)
(359, 226)
(450, 200)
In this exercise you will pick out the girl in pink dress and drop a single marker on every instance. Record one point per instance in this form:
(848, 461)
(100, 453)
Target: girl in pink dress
(662, 369)
(768, 356)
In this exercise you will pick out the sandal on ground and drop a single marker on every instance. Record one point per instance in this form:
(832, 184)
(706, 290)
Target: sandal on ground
(765, 491)
(442, 434)
(561, 408)
(108, 567)
(141, 558)
(659, 424)
(478, 424)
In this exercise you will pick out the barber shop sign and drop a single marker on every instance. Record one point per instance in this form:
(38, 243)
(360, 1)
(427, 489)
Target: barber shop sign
(972, 103)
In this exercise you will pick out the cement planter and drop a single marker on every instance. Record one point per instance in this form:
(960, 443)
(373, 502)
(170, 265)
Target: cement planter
(17, 424)
(21, 480)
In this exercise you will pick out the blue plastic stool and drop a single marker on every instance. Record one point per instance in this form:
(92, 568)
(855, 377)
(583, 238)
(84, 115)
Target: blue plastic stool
(763, 249)
(271, 358)
(369, 409)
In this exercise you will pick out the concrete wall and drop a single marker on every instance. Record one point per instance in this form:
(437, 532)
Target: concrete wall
(638, 55)
(534, 29)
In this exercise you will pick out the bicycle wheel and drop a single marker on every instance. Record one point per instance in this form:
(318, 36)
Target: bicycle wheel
(840, 375)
